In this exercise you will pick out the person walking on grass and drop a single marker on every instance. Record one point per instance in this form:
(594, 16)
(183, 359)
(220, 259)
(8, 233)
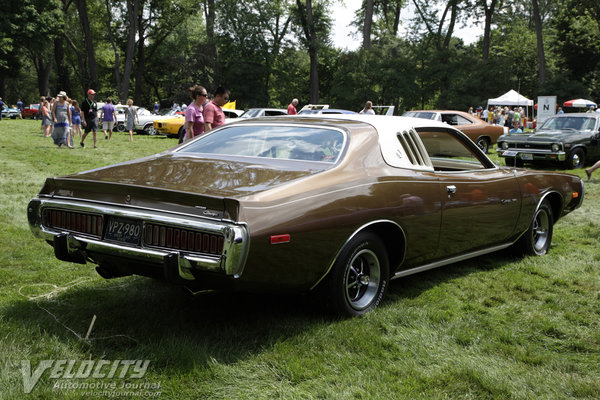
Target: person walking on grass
(62, 120)
(108, 117)
(213, 111)
(194, 119)
(46, 120)
(76, 118)
(89, 110)
(130, 117)
(591, 169)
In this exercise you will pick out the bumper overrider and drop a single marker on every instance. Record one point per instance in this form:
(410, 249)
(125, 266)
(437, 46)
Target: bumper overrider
(178, 247)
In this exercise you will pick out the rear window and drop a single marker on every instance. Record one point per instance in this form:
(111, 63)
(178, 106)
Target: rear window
(279, 142)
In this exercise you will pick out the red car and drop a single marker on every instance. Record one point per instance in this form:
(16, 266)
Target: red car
(31, 111)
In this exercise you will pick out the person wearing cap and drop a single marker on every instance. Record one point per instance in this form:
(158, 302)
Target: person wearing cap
(89, 112)
(62, 120)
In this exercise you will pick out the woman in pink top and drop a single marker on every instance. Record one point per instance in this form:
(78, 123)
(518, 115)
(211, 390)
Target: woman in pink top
(194, 121)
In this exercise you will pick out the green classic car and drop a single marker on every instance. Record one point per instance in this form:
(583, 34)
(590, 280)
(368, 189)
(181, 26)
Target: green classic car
(570, 139)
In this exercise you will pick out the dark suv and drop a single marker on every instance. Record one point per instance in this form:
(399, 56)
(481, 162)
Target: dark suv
(571, 139)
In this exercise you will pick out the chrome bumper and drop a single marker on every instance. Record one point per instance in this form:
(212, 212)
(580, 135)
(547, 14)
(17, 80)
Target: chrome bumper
(536, 154)
(77, 247)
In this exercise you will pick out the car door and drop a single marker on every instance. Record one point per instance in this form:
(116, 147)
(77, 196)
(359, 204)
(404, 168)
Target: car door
(480, 202)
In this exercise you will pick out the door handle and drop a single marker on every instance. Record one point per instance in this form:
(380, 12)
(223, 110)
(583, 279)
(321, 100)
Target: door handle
(451, 189)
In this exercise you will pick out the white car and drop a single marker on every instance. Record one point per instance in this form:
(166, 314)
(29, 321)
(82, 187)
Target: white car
(263, 112)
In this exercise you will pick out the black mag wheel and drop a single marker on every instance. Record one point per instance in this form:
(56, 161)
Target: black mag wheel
(537, 239)
(359, 276)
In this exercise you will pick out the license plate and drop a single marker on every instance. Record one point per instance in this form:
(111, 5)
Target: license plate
(123, 230)
(510, 153)
(526, 156)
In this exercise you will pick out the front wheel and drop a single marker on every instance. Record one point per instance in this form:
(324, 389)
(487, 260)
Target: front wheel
(120, 127)
(359, 276)
(537, 239)
(575, 159)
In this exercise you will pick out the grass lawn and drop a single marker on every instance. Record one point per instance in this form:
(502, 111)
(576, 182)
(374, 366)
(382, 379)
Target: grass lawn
(496, 327)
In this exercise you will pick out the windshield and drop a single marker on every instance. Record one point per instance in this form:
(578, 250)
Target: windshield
(569, 123)
(280, 142)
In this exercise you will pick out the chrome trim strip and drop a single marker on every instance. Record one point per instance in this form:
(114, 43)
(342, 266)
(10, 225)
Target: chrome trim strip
(231, 262)
(356, 232)
(451, 260)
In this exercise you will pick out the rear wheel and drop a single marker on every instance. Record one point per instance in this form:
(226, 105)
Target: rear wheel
(359, 277)
(483, 144)
(537, 239)
(149, 129)
(120, 127)
(575, 159)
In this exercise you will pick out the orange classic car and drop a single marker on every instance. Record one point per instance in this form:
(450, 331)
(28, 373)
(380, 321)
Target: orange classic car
(479, 131)
(338, 205)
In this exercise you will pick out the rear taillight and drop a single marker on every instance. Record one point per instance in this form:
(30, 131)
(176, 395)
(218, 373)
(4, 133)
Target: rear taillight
(90, 224)
(182, 239)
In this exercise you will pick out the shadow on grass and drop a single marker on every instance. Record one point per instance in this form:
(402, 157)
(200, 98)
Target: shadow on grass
(413, 285)
(138, 318)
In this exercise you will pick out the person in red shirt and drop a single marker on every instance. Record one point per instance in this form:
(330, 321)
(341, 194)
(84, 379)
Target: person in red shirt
(213, 111)
(292, 107)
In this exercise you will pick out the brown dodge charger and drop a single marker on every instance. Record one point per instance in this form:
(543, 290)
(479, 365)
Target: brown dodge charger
(335, 204)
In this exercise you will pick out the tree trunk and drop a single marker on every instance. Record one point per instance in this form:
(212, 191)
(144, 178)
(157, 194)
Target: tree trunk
(540, 43)
(368, 24)
(43, 74)
(141, 61)
(111, 39)
(133, 7)
(62, 82)
(209, 15)
(308, 26)
(489, 12)
(90, 76)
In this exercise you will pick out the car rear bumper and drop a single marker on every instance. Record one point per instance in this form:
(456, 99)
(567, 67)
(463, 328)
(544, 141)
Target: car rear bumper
(180, 264)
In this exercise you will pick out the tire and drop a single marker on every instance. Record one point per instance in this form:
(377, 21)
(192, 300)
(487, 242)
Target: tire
(359, 277)
(484, 144)
(510, 162)
(181, 134)
(149, 129)
(120, 127)
(575, 159)
(538, 237)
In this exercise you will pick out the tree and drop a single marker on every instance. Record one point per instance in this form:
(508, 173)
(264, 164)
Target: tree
(540, 43)
(305, 12)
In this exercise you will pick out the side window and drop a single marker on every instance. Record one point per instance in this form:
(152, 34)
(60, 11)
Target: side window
(450, 119)
(460, 120)
(450, 152)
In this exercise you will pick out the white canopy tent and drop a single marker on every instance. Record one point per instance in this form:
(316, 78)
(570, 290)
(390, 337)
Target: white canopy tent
(512, 98)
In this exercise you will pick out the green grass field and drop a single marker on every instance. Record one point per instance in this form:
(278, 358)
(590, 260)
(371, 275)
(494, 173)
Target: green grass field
(496, 327)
